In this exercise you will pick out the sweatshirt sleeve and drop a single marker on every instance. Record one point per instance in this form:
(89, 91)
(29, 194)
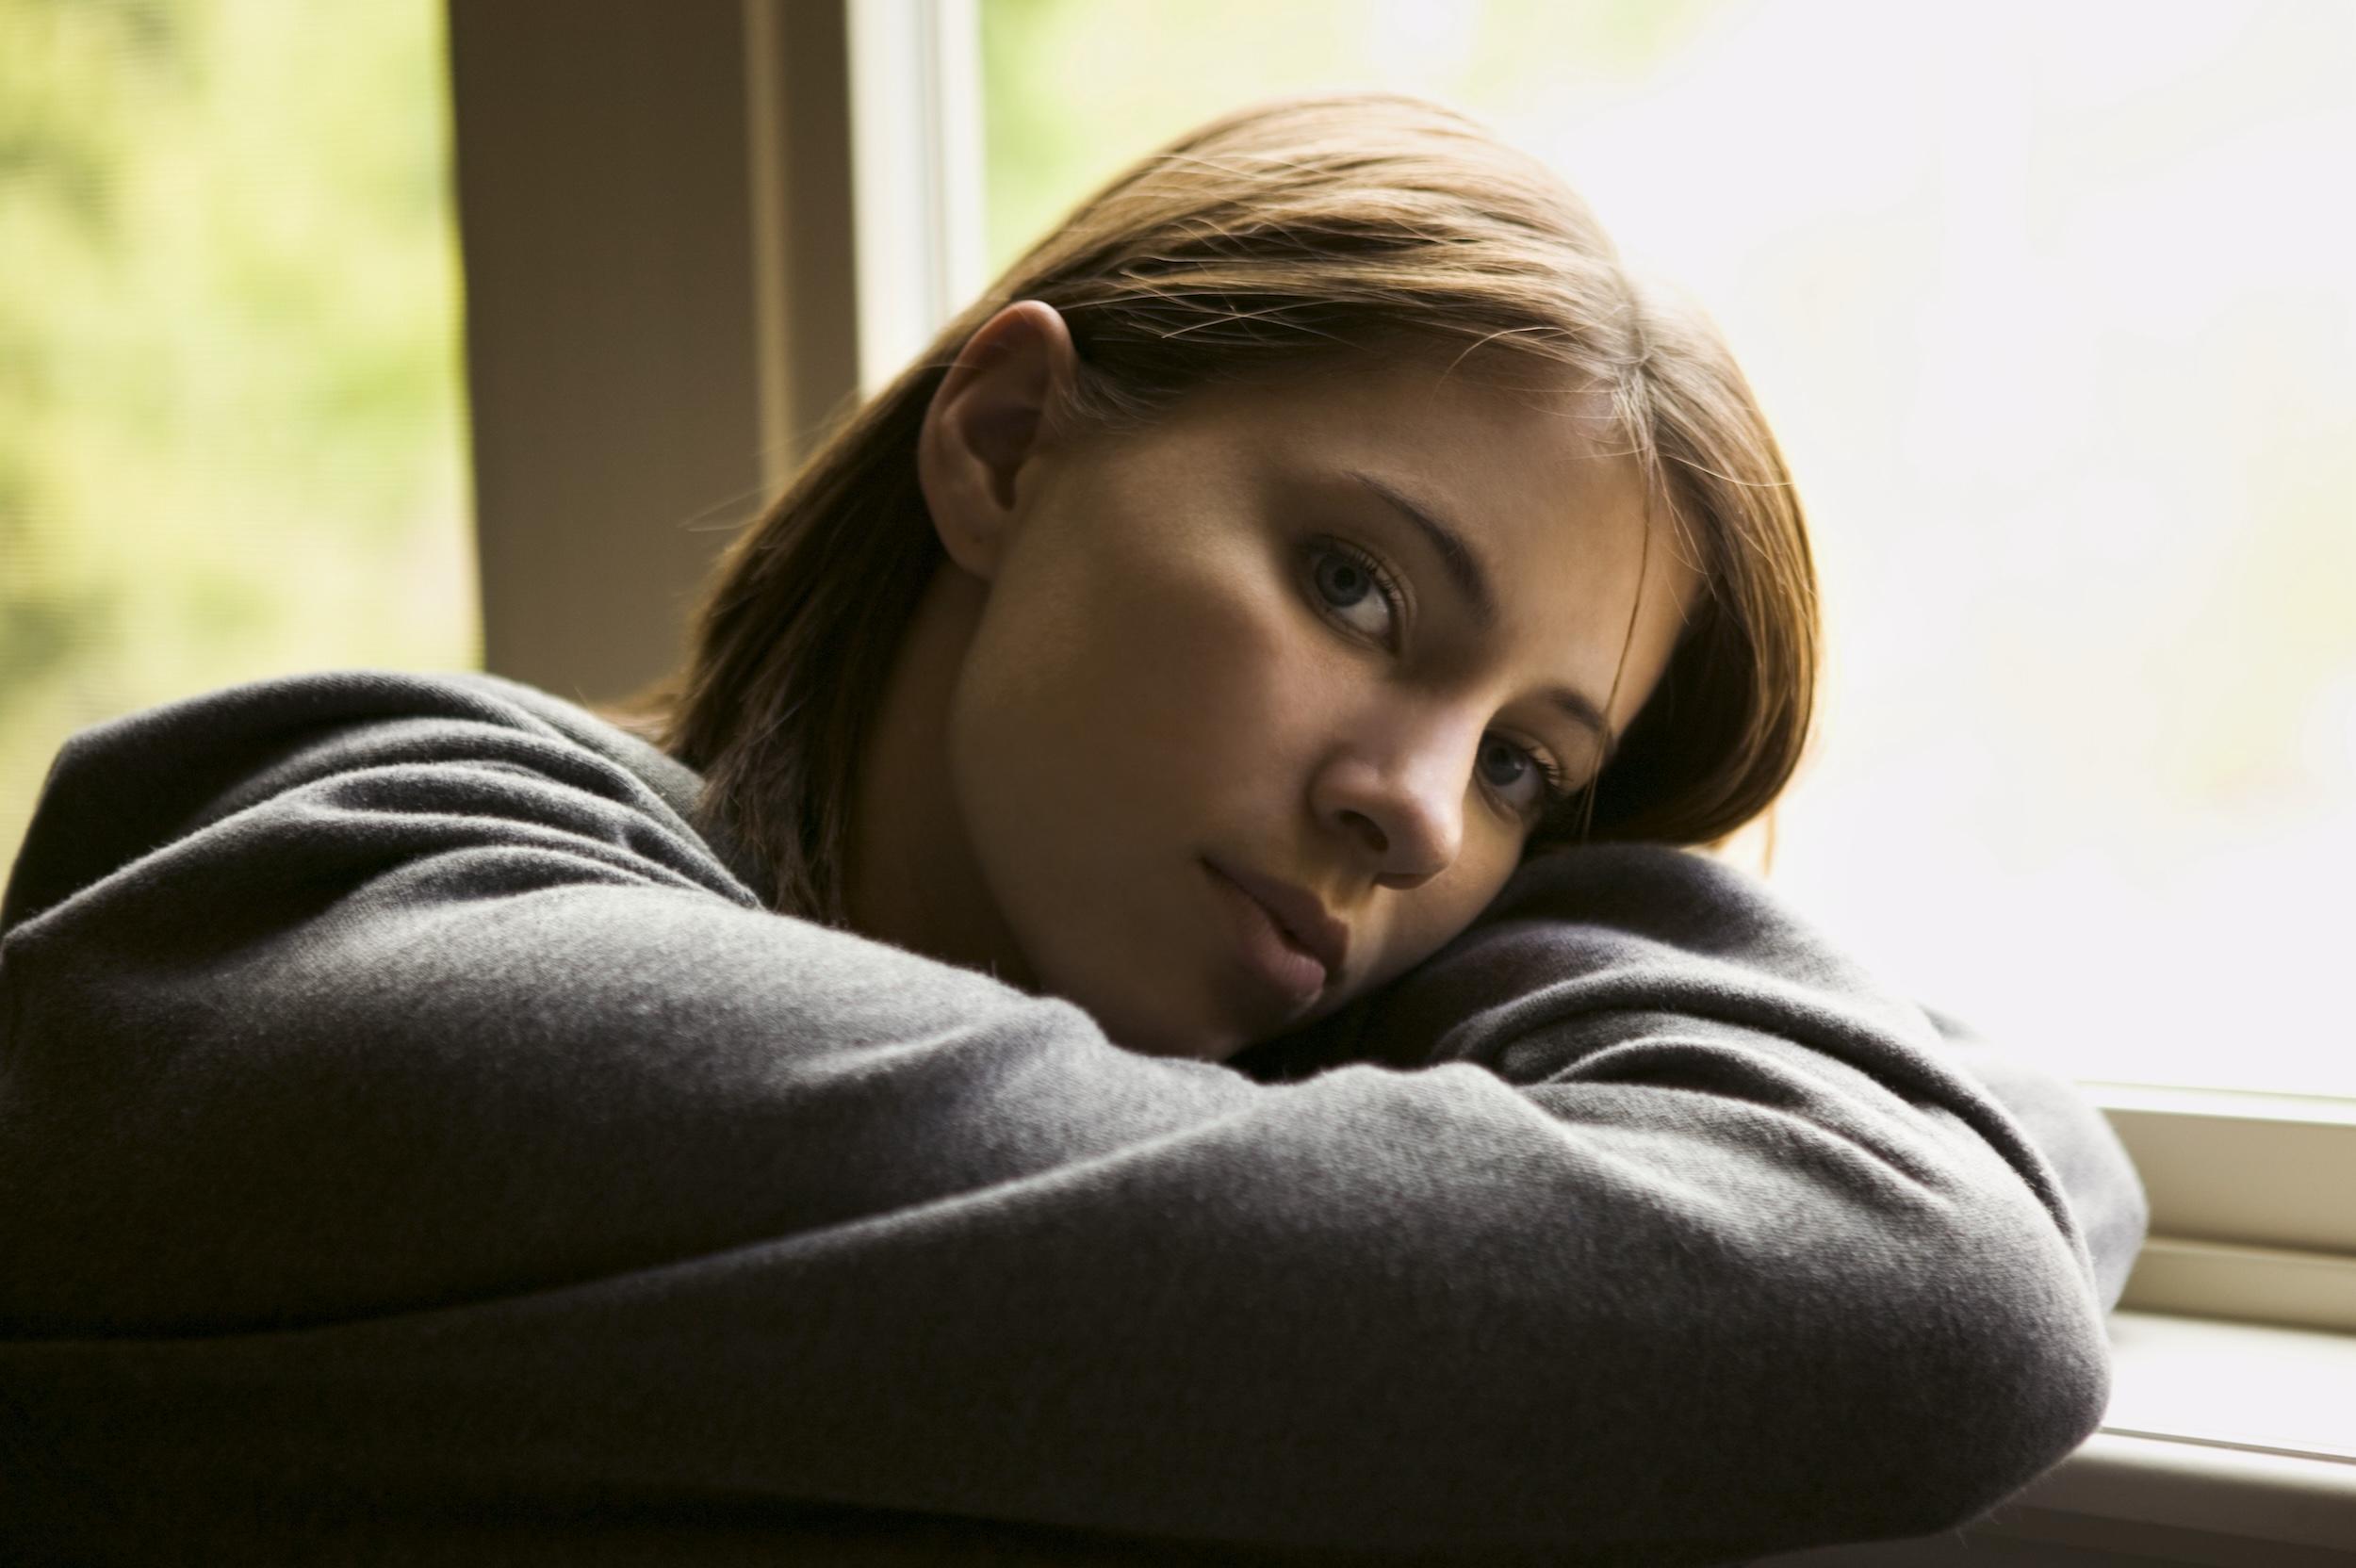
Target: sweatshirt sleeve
(429, 1134)
(2088, 1159)
(1568, 919)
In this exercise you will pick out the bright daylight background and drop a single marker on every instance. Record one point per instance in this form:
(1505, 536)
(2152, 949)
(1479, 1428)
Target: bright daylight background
(2053, 306)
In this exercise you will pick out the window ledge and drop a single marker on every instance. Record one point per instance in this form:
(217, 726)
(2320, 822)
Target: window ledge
(2225, 1444)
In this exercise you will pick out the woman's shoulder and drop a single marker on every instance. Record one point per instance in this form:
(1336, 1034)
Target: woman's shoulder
(341, 751)
(307, 705)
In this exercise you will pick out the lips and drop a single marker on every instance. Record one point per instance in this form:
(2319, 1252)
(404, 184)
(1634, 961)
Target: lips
(1299, 913)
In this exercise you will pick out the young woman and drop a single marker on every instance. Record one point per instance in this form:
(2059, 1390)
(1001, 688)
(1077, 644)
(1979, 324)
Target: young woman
(1135, 1001)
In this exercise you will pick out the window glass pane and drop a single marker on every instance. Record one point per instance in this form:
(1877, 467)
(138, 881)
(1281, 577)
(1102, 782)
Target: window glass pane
(2054, 310)
(232, 411)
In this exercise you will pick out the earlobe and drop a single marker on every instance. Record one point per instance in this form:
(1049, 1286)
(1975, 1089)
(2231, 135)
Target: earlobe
(984, 428)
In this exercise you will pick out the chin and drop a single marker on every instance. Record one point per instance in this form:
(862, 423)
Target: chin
(1132, 1032)
(1101, 979)
(1200, 1048)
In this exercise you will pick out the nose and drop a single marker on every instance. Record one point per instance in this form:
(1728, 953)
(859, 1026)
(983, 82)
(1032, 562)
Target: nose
(1403, 806)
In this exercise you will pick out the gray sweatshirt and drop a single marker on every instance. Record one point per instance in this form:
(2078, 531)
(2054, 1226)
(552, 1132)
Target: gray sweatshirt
(420, 1144)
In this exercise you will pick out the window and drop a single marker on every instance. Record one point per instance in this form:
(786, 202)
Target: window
(232, 420)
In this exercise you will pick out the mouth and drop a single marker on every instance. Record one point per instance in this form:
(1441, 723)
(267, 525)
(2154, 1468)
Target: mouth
(1299, 913)
(1265, 949)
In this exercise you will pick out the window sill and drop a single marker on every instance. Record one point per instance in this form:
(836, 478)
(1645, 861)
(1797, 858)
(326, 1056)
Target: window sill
(2225, 1444)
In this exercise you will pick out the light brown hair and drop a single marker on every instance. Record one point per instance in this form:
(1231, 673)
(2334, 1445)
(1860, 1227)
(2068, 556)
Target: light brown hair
(1275, 240)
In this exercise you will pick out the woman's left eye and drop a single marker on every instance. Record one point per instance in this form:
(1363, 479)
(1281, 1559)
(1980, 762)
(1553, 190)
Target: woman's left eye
(1535, 766)
(1347, 578)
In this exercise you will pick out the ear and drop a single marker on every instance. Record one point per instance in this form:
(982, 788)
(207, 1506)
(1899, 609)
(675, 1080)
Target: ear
(984, 426)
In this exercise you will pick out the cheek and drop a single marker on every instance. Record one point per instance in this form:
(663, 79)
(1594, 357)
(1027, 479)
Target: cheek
(1194, 653)
(1244, 696)
(1110, 693)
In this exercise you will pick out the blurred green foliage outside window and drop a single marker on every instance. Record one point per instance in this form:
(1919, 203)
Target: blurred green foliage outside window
(232, 406)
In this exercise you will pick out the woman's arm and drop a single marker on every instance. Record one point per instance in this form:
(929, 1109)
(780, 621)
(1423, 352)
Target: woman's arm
(436, 1139)
(2087, 1156)
(1540, 934)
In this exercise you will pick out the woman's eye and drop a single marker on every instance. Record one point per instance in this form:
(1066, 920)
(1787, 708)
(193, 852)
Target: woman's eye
(1348, 580)
(1532, 783)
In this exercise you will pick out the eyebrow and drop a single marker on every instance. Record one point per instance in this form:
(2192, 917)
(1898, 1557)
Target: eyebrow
(1473, 583)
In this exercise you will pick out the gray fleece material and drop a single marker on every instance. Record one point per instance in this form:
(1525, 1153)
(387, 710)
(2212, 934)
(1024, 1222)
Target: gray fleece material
(419, 1143)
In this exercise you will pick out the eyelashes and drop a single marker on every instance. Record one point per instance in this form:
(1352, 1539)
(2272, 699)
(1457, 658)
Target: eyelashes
(1384, 582)
(1392, 597)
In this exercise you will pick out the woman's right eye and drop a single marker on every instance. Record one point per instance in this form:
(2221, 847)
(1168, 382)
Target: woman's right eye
(1347, 578)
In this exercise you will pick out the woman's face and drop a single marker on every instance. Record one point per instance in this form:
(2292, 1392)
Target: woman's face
(1161, 651)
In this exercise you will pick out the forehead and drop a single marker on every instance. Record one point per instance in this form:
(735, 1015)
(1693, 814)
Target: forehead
(1504, 444)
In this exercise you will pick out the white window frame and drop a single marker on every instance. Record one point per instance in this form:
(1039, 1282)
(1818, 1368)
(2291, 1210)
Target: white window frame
(2253, 1203)
(840, 223)
(916, 158)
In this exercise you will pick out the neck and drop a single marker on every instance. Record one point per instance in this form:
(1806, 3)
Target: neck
(912, 879)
